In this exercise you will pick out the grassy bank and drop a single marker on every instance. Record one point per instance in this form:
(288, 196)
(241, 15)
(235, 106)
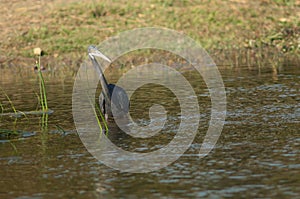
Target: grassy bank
(235, 32)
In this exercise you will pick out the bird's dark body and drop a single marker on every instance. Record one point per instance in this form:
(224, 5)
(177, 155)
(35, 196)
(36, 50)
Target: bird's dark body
(119, 102)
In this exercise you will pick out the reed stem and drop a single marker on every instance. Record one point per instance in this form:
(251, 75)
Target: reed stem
(43, 95)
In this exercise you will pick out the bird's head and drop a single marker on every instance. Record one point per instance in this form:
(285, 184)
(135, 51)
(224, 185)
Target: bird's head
(94, 52)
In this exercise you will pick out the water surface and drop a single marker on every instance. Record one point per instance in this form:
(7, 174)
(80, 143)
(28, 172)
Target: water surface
(257, 154)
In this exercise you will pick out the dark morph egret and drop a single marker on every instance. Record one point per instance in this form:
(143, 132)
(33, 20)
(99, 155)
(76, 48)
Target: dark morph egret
(112, 96)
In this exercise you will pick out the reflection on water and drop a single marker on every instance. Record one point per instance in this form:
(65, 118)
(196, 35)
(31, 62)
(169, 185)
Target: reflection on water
(257, 154)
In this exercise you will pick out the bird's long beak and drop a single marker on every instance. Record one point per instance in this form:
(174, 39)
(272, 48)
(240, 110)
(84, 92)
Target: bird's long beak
(94, 52)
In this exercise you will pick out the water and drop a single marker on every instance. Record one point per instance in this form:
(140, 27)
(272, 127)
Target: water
(257, 154)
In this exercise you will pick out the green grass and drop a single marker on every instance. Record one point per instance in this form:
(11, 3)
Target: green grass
(66, 30)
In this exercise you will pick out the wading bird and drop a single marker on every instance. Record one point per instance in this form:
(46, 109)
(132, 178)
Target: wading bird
(113, 99)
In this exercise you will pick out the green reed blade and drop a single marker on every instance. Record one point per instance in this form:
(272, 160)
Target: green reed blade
(1, 108)
(102, 118)
(95, 112)
(43, 95)
(10, 102)
(14, 147)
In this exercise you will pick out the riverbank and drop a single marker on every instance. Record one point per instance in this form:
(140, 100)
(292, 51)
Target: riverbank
(237, 32)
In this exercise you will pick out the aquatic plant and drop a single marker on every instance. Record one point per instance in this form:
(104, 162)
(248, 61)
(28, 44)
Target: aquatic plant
(43, 94)
(42, 98)
(1, 106)
(10, 102)
(102, 117)
(59, 128)
(7, 132)
(97, 112)
(13, 146)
